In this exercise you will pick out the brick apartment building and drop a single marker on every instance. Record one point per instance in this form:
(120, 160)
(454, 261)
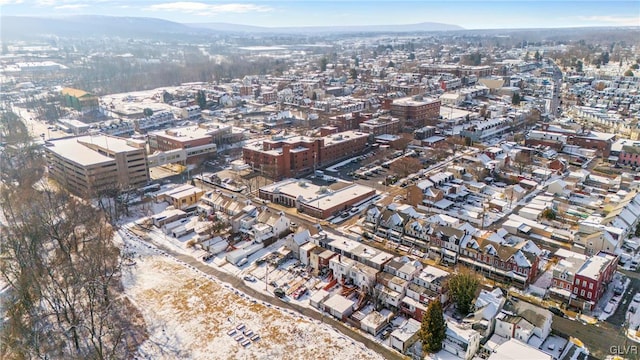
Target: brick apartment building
(415, 112)
(557, 137)
(591, 280)
(202, 139)
(350, 121)
(457, 70)
(581, 280)
(298, 155)
(630, 155)
(381, 125)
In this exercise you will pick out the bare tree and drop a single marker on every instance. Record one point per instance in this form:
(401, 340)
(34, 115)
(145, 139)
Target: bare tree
(63, 274)
(522, 161)
(405, 166)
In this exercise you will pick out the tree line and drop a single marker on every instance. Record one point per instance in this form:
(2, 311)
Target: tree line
(63, 271)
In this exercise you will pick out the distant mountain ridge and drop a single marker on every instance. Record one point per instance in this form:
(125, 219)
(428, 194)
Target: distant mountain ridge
(20, 27)
(89, 25)
(425, 26)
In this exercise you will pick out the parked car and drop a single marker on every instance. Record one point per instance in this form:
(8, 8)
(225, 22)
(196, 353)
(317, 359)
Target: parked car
(279, 292)
(609, 308)
(557, 311)
(249, 278)
(636, 297)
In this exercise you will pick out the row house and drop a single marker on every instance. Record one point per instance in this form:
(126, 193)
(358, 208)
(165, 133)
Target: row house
(445, 242)
(428, 285)
(412, 308)
(564, 276)
(403, 269)
(388, 296)
(212, 202)
(391, 225)
(517, 264)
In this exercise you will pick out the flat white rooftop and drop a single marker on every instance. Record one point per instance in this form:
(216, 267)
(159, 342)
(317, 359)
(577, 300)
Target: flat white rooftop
(78, 150)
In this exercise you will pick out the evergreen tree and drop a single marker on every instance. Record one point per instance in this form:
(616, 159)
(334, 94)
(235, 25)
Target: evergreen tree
(353, 73)
(463, 287)
(433, 329)
(201, 99)
(323, 64)
(515, 100)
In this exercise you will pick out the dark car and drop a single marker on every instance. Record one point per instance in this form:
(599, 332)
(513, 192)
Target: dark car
(557, 311)
(279, 293)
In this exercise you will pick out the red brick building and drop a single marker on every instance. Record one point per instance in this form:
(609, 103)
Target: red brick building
(381, 125)
(415, 113)
(591, 280)
(298, 155)
(630, 155)
(593, 140)
(349, 121)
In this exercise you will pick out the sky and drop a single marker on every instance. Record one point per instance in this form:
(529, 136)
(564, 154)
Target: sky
(479, 14)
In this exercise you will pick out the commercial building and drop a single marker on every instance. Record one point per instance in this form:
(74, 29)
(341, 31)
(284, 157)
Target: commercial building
(298, 155)
(88, 164)
(317, 201)
(199, 141)
(79, 99)
(457, 70)
(381, 125)
(415, 112)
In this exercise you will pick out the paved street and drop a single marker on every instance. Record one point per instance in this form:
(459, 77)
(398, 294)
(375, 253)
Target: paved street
(597, 338)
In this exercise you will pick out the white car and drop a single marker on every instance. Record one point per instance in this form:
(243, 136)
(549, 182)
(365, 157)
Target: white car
(609, 308)
(636, 297)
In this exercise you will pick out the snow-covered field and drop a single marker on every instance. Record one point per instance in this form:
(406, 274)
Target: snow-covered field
(188, 316)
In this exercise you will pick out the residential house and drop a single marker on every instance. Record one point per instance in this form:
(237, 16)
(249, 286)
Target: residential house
(445, 242)
(429, 285)
(405, 335)
(540, 318)
(295, 241)
(461, 340)
(516, 263)
(487, 306)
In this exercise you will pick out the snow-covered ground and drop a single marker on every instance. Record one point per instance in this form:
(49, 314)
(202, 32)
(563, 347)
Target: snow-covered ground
(188, 316)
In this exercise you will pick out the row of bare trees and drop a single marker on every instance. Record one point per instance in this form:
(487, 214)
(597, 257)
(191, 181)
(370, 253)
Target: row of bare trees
(64, 297)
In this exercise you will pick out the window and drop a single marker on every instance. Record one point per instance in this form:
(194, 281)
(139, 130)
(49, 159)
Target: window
(590, 286)
(589, 295)
(584, 283)
(577, 282)
(575, 290)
